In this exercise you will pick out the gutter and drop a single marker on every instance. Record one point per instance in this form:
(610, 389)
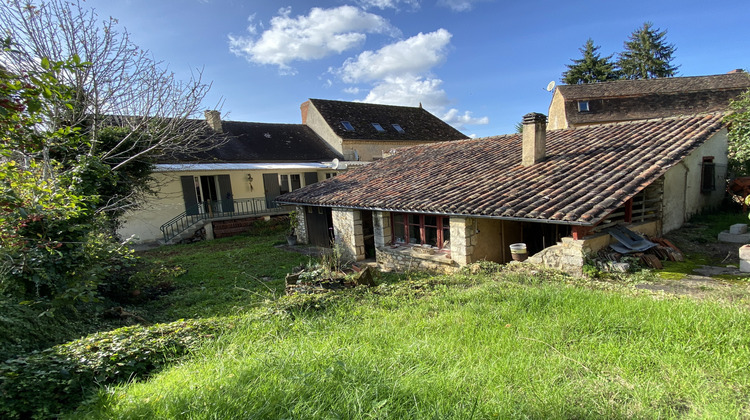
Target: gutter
(512, 219)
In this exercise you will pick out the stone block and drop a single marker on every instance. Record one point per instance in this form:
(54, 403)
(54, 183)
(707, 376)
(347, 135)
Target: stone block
(745, 258)
(738, 229)
(726, 236)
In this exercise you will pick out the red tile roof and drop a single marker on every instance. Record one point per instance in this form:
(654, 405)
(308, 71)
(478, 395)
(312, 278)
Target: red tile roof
(588, 173)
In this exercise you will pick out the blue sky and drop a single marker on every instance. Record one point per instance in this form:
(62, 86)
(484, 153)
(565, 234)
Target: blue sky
(478, 64)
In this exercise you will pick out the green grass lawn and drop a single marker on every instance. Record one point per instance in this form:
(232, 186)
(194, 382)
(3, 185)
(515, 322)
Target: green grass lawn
(464, 346)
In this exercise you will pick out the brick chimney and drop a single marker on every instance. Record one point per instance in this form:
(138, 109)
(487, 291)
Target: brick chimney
(534, 138)
(213, 119)
(303, 109)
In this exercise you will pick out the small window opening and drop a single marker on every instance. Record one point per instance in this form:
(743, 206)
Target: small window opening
(583, 106)
(347, 125)
(708, 174)
(398, 128)
(378, 127)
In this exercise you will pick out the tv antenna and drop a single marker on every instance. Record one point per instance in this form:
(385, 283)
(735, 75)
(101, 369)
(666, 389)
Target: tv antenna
(550, 86)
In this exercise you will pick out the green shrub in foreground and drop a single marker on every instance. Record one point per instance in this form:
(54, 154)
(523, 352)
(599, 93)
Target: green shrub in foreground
(46, 383)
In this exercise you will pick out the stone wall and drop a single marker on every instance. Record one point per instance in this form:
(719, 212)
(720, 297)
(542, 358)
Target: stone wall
(347, 230)
(381, 223)
(568, 255)
(463, 240)
(301, 230)
(415, 258)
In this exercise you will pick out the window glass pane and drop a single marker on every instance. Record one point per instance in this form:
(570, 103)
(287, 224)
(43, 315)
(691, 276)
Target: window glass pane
(430, 236)
(296, 181)
(413, 219)
(414, 235)
(430, 220)
(284, 187)
(398, 232)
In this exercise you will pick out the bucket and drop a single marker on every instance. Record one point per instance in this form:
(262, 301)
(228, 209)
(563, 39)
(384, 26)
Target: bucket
(518, 252)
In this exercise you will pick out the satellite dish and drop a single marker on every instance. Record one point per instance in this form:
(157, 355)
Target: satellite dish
(550, 86)
(335, 163)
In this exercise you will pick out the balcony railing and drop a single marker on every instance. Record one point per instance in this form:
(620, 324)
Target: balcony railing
(212, 210)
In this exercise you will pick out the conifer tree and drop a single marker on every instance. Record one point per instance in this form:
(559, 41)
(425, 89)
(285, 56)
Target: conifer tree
(647, 54)
(590, 68)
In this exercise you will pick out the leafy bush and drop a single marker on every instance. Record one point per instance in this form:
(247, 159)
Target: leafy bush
(49, 382)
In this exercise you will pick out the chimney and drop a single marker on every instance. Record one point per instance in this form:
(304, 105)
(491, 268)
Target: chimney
(534, 138)
(303, 109)
(213, 119)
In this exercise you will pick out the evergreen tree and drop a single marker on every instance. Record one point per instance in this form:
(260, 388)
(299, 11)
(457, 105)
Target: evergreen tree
(591, 68)
(647, 54)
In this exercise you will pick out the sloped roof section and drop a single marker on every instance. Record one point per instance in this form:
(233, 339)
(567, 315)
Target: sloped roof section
(416, 123)
(250, 142)
(628, 100)
(661, 86)
(588, 173)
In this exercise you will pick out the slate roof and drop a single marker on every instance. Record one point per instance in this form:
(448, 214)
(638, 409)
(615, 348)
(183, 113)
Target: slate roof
(627, 100)
(417, 123)
(251, 142)
(664, 85)
(588, 173)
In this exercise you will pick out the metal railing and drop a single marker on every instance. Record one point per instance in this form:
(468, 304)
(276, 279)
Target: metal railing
(211, 210)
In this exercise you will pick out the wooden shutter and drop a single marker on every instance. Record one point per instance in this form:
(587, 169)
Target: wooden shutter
(188, 194)
(226, 197)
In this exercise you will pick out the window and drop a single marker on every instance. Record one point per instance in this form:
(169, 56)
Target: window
(708, 174)
(330, 174)
(347, 125)
(420, 229)
(378, 127)
(583, 106)
(398, 128)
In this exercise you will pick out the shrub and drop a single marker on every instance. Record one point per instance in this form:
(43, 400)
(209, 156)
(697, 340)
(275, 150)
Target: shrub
(49, 382)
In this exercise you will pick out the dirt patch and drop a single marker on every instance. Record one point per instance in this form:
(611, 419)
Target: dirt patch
(693, 240)
(691, 285)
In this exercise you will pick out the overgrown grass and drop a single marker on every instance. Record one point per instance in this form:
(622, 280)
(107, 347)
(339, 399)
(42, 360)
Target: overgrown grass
(467, 346)
(714, 223)
(221, 277)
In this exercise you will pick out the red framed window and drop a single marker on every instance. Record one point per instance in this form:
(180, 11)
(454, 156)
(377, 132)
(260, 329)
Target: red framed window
(420, 229)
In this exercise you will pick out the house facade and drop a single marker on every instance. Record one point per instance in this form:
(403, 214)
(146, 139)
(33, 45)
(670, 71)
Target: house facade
(366, 132)
(441, 206)
(629, 100)
(239, 179)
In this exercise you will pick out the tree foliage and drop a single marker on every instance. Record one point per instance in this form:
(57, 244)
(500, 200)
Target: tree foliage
(739, 135)
(53, 243)
(591, 67)
(647, 54)
(122, 86)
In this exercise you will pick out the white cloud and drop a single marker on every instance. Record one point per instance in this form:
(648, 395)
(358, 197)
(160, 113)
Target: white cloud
(352, 90)
(321, 33)
(388, 4)
(456, 119)
(415, 55)
(459, 5)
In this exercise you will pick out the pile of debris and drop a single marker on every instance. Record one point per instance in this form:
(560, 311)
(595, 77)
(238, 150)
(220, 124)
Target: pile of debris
(309, 281)
(649, 251)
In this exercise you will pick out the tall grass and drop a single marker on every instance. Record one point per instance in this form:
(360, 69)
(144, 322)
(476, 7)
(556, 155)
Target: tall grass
(492, 349)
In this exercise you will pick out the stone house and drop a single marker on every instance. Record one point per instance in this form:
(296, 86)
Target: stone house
(259, 161)
(441, 206)
(366, 132)
(629, 100)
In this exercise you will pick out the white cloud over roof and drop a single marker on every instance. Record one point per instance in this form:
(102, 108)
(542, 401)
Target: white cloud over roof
(320, 33)
(415, 55)
(389, 4)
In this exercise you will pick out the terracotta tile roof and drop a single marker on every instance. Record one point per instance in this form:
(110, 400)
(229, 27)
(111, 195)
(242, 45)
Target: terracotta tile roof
(628, 100)
(662, 86)
(417, 123)
(588, 173)
(251, 142)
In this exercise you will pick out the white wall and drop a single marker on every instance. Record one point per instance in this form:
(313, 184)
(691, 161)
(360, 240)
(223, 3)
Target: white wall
(145, 222)
(682, 183)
